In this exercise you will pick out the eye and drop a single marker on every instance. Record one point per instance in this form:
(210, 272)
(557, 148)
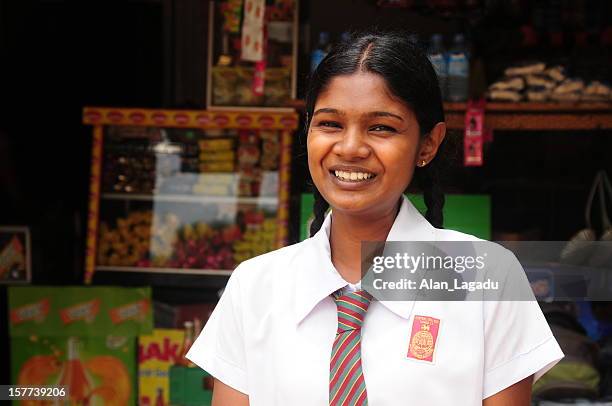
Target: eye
(383, 128)
(328, 124)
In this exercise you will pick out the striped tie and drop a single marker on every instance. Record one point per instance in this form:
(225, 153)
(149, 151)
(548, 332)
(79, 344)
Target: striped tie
(346, 383)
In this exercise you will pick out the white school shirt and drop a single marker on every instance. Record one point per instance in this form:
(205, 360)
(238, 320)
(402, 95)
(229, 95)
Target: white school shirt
(271, 334)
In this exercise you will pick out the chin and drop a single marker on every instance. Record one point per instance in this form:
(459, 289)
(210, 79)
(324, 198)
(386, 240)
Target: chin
(354, 207)
(363, 207)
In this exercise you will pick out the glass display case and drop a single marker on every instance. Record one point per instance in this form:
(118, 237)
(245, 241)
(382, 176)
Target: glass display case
(236, 77)
(186, 191)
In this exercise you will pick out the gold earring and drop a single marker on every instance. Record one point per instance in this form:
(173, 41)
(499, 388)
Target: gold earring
(423, 163)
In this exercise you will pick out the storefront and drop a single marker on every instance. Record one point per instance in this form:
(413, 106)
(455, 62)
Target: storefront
(202, 165)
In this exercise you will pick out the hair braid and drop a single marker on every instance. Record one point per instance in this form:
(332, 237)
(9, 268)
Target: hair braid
(320, 207)
(427, 178)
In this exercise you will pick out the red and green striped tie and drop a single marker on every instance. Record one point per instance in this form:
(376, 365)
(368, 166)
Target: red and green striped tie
(346, 383)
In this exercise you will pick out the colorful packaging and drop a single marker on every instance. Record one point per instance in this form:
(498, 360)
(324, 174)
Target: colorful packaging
(156, 354)
(84, 338)
(474, 134)
(99, 370)
(15, 266)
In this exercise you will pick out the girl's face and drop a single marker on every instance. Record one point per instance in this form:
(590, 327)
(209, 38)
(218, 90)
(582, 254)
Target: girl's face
(363, 145)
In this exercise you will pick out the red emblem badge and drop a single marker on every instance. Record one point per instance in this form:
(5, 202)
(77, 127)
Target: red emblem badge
(423, 338)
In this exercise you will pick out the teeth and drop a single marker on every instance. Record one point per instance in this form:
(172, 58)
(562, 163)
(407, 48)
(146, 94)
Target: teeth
(353, 176)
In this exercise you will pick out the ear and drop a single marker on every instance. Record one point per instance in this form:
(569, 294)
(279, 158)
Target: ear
(430, 144)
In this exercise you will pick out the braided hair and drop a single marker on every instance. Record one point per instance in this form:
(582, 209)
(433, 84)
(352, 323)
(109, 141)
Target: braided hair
(410, 77)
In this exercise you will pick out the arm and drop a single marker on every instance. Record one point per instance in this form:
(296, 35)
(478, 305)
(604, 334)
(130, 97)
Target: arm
(518, 394)
(224, 395)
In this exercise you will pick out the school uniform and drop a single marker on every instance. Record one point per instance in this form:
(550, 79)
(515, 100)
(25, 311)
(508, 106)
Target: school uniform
(271, 334)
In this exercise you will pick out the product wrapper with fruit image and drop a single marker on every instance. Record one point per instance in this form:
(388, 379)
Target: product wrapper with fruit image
(83, 338)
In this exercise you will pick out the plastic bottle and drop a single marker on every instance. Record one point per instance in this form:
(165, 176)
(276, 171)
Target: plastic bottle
(458, 70)
(187, 342)
(320, 51)
(437, 56)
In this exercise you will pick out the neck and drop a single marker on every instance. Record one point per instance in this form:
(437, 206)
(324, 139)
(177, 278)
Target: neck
(347, 233)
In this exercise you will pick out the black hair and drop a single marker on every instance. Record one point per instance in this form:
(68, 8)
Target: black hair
(409, 76)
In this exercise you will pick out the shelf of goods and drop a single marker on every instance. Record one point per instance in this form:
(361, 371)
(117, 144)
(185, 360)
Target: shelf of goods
(188, 193)
(240, 54)
(536, 116)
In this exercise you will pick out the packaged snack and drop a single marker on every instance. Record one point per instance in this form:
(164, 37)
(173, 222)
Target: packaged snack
(248, 150)
(217, 156)
(540, 80)
(566, 97)
(508, 83)
(597, 90)
(525, 68)
(538, 94)
(557, 73)
(217, 167)
(569, 86)
(505, 95)
(216, 144)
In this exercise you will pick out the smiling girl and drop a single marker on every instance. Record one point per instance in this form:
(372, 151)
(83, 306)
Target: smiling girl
(294, 327)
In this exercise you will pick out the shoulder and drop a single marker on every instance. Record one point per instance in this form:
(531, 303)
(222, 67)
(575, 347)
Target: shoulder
(274, 265)
(502, 257)
(453, 235)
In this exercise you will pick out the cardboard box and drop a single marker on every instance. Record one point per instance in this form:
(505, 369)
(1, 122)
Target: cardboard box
(84, 338)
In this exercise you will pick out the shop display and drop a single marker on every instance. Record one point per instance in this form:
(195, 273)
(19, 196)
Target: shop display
(15, 257)
(458, 70)
(84, 338)
(180, 191)
(156, 354)
(438, 57)
(533, 81)
(452, 65)
(190, 386)
(576, 376)
(579, 250)
(174, 316)
(320, 51)
(253, 65)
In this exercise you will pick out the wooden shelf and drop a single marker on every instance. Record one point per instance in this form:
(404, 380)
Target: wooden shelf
(536, 116)
(192, 198)
(530, 116)
(143, 276)
(174, 271)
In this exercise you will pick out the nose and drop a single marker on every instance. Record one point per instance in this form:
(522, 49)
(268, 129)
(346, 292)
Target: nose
(352, 146)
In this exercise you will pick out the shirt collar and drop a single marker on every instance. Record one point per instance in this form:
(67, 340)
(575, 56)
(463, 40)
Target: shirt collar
(317, 277)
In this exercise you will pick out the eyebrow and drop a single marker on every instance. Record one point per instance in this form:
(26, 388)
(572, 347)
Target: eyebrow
(371, 114)
(384, 114)
(328, 110)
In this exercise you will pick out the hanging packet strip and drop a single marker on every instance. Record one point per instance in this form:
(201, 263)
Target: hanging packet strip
(259, 76)
(252, 45)
(232, 12)
(474, 133)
